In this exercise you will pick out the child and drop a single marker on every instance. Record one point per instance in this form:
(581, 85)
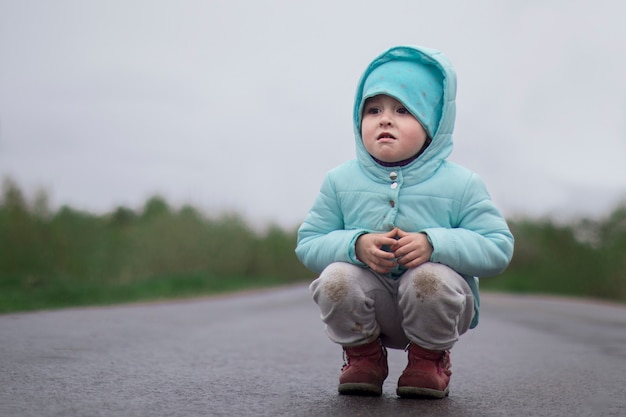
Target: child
(399, 233)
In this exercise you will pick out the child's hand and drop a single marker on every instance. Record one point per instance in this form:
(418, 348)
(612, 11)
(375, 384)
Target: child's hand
(411, 249)
(368, 250)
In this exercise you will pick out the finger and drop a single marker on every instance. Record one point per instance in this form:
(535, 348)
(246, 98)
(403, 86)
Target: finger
(401, 233)
(386, 241)
(406, 259)
(383, 267)
(403, 246)
(383, 258)
(382, 254)
(415, 262)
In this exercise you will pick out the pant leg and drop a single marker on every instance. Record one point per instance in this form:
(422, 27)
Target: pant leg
(358, 306)
(437, 305)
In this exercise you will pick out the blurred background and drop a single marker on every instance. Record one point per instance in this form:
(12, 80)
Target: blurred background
(153, 149)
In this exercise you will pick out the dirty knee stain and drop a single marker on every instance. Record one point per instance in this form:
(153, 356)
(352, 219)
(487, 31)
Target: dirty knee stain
(426, 285)
(357, 328)
(337, 289)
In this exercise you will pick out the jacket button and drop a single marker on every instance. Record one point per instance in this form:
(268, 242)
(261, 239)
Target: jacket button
(394, 185)
(393, 176)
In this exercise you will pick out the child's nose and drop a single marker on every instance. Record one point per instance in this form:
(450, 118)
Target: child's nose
(385, 119)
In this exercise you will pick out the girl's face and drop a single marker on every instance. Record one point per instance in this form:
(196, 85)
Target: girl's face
(390, 132)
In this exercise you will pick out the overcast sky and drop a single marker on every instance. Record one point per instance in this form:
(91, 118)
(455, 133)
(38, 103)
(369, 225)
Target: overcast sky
(244, 105)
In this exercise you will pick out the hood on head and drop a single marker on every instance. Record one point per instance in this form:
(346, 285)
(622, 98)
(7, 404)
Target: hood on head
(423, 80)
(418, 87)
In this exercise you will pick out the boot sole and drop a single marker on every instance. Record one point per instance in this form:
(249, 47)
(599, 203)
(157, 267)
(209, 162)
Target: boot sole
(354, 388)
(414, 392)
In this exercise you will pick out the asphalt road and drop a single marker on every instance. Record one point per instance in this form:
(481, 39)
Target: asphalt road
(265, 354)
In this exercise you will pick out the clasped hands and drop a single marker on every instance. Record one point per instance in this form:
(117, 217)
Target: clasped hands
(407, 249)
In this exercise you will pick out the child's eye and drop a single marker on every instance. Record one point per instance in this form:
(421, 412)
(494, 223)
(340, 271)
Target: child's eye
(372, 110)
(403, 110)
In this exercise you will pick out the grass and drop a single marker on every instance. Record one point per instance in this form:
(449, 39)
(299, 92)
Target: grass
(55, 259)
(16, 296)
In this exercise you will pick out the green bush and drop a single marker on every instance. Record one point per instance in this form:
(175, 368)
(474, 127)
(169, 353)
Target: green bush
(68, 257)
(76, 258)
(585, 258)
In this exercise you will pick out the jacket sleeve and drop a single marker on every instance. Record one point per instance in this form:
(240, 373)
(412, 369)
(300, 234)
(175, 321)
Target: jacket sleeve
(322, 239)
(481, 244)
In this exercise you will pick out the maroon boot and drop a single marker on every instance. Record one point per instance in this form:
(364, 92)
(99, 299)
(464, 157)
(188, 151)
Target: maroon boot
(364, 370)
(427, 375)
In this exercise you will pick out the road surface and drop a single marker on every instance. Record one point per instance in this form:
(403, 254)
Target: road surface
(265, 354)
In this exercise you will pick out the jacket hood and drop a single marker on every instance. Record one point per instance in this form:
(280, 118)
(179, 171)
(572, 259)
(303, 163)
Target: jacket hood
(423, 80)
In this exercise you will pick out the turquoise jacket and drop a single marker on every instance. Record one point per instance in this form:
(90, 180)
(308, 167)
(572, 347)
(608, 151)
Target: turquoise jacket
(430, 194)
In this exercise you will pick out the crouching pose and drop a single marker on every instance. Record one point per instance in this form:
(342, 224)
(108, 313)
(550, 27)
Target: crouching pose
(399, 234)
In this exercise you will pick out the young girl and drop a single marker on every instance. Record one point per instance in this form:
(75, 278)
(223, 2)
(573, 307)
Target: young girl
(400, 234)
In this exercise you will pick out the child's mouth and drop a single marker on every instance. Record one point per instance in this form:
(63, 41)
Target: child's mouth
(385, 135)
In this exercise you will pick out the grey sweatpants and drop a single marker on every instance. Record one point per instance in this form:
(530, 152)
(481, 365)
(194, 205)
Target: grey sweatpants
(430, 305)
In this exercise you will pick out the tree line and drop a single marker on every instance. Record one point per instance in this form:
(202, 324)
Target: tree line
(70, 257)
